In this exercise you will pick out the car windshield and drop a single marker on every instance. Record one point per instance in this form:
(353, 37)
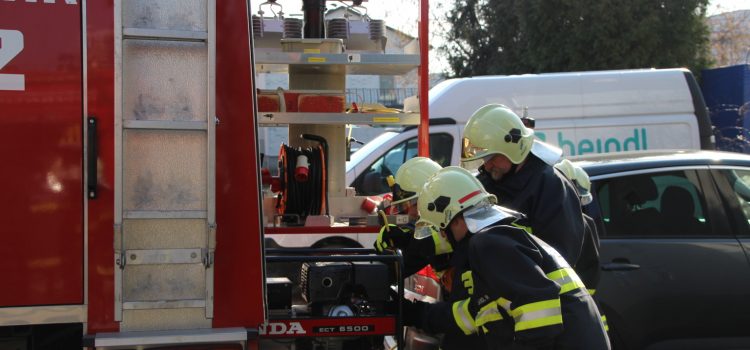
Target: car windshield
(368, 148)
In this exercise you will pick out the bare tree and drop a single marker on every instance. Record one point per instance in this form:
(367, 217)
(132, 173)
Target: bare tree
(730, 37)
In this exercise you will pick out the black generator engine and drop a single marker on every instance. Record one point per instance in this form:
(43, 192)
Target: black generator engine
(345, 288)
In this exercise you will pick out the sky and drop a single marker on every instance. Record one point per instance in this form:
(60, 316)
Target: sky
(380, 8)
(720, 6)
(403, 15)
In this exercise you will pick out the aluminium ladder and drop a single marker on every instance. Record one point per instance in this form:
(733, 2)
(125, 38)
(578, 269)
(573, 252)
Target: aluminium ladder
(164, 164)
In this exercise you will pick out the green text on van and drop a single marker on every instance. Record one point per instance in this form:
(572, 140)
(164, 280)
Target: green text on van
(638, 142)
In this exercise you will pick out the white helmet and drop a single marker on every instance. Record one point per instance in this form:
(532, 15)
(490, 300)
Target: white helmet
(448, 193)
(579, 178)
(411, 177)
(496, 129)
(483, 136)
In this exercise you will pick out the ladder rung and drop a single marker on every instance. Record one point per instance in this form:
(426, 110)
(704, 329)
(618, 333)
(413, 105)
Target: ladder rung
(165, 214)
(164, 125)
(164, 34)
(164, 304)
(163, 256)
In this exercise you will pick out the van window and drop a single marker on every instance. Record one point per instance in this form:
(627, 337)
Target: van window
(373, 180)
(666, 203)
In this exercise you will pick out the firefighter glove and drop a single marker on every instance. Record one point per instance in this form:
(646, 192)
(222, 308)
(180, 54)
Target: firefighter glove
(392, 237)
(412, 312)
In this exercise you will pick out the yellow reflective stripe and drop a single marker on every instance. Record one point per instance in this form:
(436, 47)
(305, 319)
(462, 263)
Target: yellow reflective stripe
(567, 279)
(525, 228)
(463, 318)
(604, 322)
(442, 246)
(592, 291)
(468, 282)
(488, 313)
(536, 306)
(538, 314)
(557, 274)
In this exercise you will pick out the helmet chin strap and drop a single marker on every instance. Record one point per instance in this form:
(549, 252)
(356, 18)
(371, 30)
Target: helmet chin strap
(513, 168)
(452, 238)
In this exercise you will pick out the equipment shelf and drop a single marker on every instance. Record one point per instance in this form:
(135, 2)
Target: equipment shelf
(322, 70)
(355, 63)
(379, 119)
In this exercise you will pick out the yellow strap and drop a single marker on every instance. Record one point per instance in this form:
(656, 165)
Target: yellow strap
(442, 246)
(381, 245)
(504, 303)
(488, 313)
(462, 317)
(525, 228)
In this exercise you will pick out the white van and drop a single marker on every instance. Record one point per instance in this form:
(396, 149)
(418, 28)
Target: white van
(580, 112)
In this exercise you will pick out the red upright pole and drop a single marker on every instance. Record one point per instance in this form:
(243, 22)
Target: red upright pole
(424, 78)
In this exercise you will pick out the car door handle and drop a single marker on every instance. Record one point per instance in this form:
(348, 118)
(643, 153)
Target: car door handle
(620, 265)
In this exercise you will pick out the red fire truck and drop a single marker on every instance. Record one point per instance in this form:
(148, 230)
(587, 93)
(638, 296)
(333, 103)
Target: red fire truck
(132, 199)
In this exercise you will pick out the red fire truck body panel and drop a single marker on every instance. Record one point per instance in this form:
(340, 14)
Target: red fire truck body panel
(41, 128)
(100, 63)
(239, 261)
(239, 268)
(43, 239)
(58, 243)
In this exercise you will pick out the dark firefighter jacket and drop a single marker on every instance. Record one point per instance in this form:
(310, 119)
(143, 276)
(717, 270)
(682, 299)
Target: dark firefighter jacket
(417, 253)
(588, 263)
(516, 291)
(549, 201)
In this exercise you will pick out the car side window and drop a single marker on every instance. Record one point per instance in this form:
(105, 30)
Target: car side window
(653, 204)
(739, 181)
(373, 180)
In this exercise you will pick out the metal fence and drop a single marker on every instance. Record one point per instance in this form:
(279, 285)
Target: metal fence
(393, 98)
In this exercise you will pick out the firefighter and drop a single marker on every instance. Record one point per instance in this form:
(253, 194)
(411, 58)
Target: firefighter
(434, 251)
(515, 290)
(588, 264)
(410, 178)
(518, 170)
